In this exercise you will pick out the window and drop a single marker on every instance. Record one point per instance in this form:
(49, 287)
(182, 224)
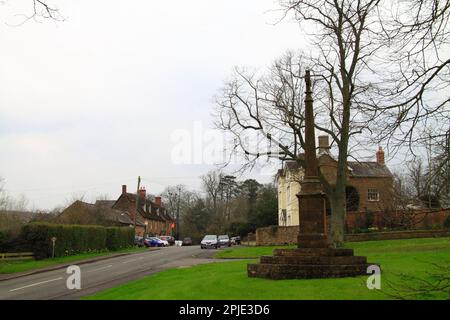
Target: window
(283, 218)
(373, 195)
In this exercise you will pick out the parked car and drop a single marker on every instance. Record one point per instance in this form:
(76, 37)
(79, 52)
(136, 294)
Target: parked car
(169, 239)
(224, 241)
(153, 242)
(187, 241)
(235, 240)
(165, 242)
(209, 241)
(139, 241)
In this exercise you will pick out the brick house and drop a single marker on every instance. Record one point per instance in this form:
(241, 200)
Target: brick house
(151, 217)
(159, 209)
(152, 214)
(84, 213)
(369, 184)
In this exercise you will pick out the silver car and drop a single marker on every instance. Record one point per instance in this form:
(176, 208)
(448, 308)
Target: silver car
(224, 241)
(209, 241)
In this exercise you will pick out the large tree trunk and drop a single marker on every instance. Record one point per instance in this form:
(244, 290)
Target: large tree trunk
(338, 212)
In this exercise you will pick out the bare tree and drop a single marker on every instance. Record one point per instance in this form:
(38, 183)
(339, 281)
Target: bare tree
(4, 199)
(436, 282)
(415, 176)
(356, 49)
(41, 10)
(345, 40)
(414, 96)
(212, 187)
(178, 200)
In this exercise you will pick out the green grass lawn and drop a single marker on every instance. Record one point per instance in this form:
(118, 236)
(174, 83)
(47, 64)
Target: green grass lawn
(228, 280)
(11, 267)
(246, 252)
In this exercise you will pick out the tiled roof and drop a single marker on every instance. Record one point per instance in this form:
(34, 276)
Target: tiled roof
(357, 168)
(105, 203)
(112, 215)
(142, 208)
(368, 169)
(151, 216)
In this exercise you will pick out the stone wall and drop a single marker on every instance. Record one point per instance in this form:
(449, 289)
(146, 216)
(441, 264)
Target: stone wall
(276, 235)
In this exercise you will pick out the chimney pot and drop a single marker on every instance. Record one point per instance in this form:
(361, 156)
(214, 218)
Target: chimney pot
(124, 188)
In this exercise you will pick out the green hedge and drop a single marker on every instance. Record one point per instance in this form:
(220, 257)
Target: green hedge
(74, 239)
(2, 241)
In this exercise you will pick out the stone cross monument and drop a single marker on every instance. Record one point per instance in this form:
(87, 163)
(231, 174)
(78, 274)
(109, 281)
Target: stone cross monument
(314, 257)
(312, 232)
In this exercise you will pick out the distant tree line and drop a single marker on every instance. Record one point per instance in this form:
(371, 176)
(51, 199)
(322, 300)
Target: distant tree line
(225, 205)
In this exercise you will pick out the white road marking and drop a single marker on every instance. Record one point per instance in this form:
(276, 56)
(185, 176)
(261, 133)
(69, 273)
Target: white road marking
(103, 268)
(36, 284)
(133, 260)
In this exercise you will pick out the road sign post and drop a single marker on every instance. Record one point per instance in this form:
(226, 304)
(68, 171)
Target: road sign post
(53, 248)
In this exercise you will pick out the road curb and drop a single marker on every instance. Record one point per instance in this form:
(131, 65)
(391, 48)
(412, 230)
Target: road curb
(65, 265)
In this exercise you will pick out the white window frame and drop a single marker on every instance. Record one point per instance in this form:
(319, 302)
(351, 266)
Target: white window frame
(373, 195)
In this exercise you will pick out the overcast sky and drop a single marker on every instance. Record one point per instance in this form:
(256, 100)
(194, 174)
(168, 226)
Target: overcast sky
(90, 103)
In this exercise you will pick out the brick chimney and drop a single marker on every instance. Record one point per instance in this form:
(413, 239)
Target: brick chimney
(380, 156)
(124, 188)
(142, 193)
(158, 201)
(324, 144)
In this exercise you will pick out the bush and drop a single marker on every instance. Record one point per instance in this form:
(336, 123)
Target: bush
(74, 239)
(370, 218)
(241, 228)
(119, 238)
(2, 241)
(447, 222)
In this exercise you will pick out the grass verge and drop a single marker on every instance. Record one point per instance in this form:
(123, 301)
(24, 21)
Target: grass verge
(11, 267)
(399, 259)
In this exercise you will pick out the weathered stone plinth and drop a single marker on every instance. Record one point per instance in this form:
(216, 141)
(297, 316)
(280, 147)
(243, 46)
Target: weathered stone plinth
(309, 263)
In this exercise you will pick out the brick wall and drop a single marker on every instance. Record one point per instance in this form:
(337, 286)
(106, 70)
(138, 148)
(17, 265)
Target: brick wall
(410, 234)
(418, 219)
(384, 185)
(279, 235)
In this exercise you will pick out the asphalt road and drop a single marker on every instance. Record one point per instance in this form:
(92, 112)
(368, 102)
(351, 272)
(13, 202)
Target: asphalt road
(103, 274)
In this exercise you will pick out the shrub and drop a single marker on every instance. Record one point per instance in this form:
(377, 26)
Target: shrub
(74, 239)
(447, 222)
(370, 218)
(241, 228)
(2, 241)
(119, 238)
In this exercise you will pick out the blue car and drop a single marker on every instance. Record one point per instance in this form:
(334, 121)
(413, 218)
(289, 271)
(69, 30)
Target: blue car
(153, 242)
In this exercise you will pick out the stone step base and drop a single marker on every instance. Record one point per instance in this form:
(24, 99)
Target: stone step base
(295, 271)
(314, 260)
(313, 252)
